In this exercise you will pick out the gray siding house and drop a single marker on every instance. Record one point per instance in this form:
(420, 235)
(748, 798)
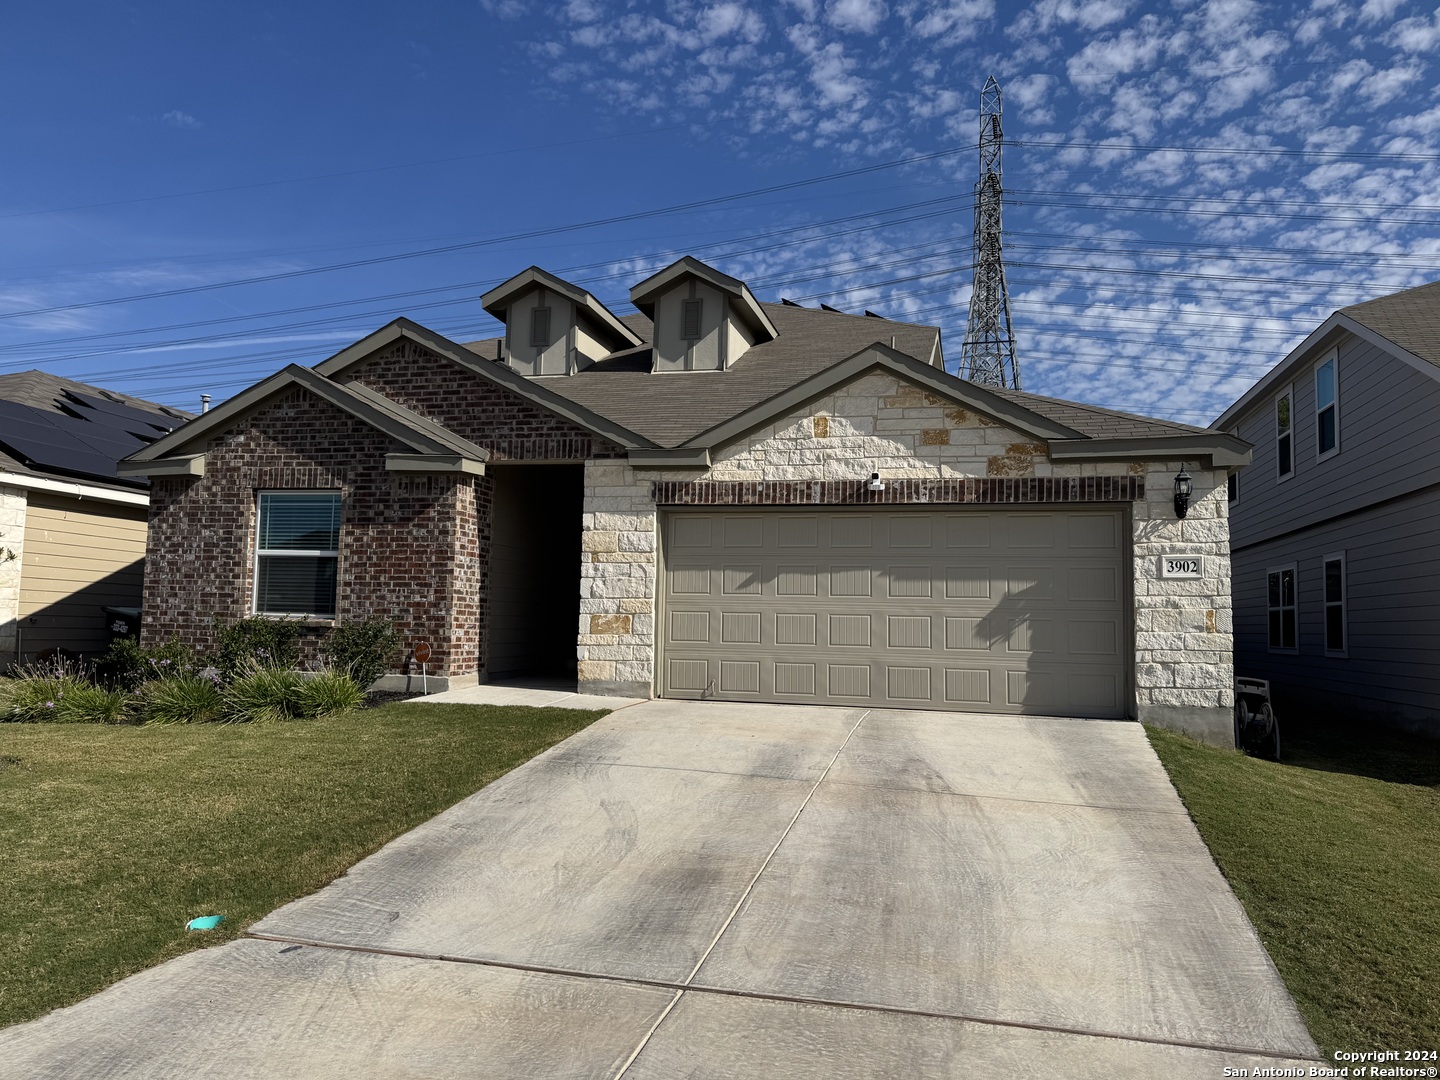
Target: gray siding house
(1333, 524)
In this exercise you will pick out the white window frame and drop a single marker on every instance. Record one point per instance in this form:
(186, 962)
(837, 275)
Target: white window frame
(294, 553)
(1294, 607)
(1343, 603)
(1286, 394)
(1334, 361)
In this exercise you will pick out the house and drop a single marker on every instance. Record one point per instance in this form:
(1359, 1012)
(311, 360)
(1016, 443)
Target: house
(1334, 523)
(72, 531)
(715, 497)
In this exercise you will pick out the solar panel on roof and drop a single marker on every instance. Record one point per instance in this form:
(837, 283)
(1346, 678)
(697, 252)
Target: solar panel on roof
(52, 440)
(124, 415)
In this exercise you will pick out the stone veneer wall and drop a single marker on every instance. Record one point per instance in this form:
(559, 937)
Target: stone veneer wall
(12, 550)
(409, 546)
(1183, 643)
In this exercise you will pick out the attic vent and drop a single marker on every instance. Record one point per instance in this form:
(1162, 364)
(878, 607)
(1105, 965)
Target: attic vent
(690, 320)
(540, 326)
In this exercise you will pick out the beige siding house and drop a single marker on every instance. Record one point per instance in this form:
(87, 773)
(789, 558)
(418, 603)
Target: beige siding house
(72, 533)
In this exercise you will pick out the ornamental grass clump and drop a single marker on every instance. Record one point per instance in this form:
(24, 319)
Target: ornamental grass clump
(84, 703)
(260, 695)
(181, 699)
(330, 693)
(38, 695)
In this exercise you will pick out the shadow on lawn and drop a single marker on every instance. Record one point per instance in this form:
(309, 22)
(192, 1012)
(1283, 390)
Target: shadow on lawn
(1334, 745)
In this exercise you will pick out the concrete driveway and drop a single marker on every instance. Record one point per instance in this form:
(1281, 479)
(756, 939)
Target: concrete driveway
(717, 890)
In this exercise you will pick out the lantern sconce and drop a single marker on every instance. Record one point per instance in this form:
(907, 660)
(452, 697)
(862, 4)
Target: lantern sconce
(1184, 488)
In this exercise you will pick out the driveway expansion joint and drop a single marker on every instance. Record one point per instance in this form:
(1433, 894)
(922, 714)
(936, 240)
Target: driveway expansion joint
(682, 988)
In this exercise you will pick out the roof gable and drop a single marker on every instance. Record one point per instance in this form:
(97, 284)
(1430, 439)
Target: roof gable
(742, 301)
(499, 299)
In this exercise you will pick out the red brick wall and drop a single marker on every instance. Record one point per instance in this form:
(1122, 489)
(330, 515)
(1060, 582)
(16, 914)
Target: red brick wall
(507, 425)
(410, 545)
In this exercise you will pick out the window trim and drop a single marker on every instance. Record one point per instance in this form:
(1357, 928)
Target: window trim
(697, 305)
(1287, 393)
(1294, 607)
(1343, 603)
(1332, 359)
(540, 326)
(259, 553)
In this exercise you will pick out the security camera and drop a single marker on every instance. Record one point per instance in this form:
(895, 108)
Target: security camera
(875, 484)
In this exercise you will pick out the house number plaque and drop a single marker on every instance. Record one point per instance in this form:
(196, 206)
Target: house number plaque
(1182, 566)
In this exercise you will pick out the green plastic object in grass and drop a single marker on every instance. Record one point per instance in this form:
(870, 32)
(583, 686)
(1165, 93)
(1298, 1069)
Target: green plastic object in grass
(205, 922)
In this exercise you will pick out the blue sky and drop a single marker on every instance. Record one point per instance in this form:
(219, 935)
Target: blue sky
(194, 195)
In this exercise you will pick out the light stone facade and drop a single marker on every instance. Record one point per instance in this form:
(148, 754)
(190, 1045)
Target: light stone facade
(12, 548)
(1182, 672)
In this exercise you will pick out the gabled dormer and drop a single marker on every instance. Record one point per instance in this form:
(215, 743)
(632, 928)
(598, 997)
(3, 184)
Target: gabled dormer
(553, 327)
(704, 320)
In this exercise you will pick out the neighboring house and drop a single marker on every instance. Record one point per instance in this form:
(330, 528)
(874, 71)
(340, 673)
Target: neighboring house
(680, 503)
(1334, 524)
(72, 532)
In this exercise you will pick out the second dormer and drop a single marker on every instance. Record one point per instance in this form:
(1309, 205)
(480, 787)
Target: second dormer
(553, 327)
(704, 320)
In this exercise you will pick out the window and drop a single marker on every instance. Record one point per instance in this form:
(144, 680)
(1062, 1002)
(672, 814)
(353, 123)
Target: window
(1232, 487)
(1282, 607)
(690, 319)
(1335, 603)
(1327, 418)
(1284, 434)
(539, 327)
(297, 551)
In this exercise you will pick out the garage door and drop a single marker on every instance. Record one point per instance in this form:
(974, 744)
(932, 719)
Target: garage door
(1014, 611)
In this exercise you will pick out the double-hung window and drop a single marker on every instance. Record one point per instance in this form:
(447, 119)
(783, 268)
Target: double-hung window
(1335, 604)
(1327, 415)
(297, 553)
(1285, 434)
(1281, 589)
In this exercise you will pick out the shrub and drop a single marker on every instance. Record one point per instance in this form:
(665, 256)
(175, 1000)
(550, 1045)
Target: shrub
(263, 694)
(252, 642)
(37, 697)
(128, 667)
(181, 699)
(362, 650)
(329, 693)
(84, 703)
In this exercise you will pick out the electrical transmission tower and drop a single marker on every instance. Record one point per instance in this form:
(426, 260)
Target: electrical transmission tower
(988, 355)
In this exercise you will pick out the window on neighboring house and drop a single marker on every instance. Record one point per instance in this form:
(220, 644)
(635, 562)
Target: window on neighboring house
(1327, 416)
(540, 326)
(297, 552)
(1335, 603)
(1282, 607)
(690, 320)
(1232, 487)
(1284, 434)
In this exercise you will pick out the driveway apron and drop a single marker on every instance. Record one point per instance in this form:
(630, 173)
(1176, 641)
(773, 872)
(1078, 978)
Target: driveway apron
(701, 889)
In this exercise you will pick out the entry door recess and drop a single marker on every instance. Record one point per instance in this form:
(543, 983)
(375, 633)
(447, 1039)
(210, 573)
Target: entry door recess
(1008, 611)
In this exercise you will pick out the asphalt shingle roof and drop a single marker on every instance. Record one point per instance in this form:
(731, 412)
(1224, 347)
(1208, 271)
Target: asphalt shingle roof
(1411, 319)
(673, 408)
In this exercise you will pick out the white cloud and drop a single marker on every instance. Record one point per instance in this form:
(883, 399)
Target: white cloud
(956, 19)
(1417, 35)
(1373, 11)
(177, 119)
(1385, 86)
(862, 16)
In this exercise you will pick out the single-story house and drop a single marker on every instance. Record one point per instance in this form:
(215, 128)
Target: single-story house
(1334, 523)
(713, 498)
(72, 532)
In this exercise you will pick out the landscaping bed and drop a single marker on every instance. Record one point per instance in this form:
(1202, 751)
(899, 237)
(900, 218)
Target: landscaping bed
(112, 837)
(1335, 854)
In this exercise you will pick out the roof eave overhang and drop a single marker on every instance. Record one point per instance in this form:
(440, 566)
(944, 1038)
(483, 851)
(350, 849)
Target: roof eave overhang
(1216, 451)
(881, 356)
(185, 465)
(682, 458)
(743, 301)
(498, 301)
(434, 463)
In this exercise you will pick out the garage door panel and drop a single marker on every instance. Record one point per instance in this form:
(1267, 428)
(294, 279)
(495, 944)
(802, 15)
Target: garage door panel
(993, 610)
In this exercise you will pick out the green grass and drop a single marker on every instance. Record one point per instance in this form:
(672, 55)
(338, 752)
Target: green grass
(112, 838)
(1335, 853)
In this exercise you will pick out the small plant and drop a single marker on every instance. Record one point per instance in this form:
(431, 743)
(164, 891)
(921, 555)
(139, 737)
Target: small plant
(330, 693)
(128, 667)
(84, 703)
(263, 694)
(38, 694)
(181, 699)
(252, 642)
(362, 649)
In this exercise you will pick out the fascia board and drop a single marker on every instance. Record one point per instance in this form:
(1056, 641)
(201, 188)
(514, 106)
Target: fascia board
(188, 465)
(437, 432)
(912, 370)
(434, 463)
(683, 458)
(644, 294)
(78, 490)
(1221, 450)
(218, 417)
(353, 354)
(498, 300)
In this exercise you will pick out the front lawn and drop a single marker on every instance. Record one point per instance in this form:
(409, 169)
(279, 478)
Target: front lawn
(112, 838)
(1335, 853)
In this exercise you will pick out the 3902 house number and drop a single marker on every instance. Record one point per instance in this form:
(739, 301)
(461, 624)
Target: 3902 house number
(1182, 566)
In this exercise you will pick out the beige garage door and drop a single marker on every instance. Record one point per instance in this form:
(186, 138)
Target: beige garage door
(1013, 611)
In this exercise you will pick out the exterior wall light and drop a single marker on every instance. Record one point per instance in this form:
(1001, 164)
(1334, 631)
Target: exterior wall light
(875, 484)
(1184, 488)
